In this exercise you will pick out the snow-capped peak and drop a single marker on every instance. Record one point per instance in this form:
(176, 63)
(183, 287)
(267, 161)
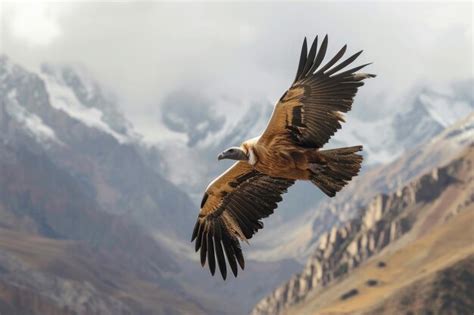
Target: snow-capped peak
(428, 113)
(33, 124)
(63, 98)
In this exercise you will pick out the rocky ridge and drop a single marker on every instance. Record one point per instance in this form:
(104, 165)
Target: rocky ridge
(384, 220)
(383, 179)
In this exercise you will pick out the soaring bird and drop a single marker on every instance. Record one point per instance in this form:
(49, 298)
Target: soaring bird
(289, 149)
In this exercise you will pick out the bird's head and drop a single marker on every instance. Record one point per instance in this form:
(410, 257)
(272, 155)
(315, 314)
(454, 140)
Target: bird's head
(233, 153)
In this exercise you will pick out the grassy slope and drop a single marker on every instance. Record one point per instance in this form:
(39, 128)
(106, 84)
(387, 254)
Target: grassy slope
(448, 291)
(421, 259)
(71, 261)
(437, 242)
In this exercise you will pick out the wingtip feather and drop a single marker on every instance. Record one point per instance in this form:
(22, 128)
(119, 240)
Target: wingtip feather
(195, 231)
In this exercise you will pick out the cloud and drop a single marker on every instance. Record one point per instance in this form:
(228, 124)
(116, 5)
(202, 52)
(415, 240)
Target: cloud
(248, 51)
(190, 113)
(34, 23)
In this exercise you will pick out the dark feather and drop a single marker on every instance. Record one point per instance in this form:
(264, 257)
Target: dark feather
(239, 255)
(302, 59)
(204, 199)
(230, 255)
(310, 58)
(343, 64)
(335, 59)
(210, 251)
(350, 71)
(203, 249)
(199, 237)
(219, 252)
(195, 230)
(321, 54)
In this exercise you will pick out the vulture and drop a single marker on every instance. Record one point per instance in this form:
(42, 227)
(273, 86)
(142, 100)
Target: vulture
(289, 149)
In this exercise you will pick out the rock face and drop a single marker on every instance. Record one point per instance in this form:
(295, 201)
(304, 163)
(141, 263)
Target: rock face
(61, 254)
(385, 219)
(61, 115)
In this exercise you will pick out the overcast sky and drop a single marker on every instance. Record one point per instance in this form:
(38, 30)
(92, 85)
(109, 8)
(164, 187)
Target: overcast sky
(238, 52)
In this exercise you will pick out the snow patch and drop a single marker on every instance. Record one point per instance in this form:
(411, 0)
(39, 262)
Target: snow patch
(33, 124)
(63, 98)
(445, 110)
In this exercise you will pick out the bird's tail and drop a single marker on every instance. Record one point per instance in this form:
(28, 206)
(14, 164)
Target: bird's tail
(335, 169)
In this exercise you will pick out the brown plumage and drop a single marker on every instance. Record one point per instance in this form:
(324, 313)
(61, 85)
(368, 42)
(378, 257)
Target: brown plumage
(303, 120)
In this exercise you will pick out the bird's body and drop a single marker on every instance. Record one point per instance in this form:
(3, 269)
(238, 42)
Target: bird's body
(289, 149)
(280, 158)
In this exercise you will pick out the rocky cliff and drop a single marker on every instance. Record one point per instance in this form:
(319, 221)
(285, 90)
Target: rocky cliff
(384, 220)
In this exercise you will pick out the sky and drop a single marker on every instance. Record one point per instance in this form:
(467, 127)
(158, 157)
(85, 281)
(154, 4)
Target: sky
(234, 54)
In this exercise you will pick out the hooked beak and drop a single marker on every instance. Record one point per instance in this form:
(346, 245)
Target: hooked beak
(232, 154)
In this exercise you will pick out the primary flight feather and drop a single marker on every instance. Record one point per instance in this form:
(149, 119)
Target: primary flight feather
(304, 119)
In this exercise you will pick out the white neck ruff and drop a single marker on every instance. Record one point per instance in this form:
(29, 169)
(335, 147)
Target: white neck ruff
(252, 157)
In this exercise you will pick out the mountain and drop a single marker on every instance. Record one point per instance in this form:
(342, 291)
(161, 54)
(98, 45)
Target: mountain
(101, 204)
(88, 100)
(77, 136)
(420, 115)
(76, 177)
(60, 253)
(81, 212)
(416, 239)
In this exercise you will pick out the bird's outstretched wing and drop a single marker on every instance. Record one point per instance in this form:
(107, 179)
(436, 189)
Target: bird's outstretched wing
(310, 111)
(231, 210)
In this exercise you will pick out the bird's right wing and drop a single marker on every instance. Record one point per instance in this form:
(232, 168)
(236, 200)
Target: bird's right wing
(310, 111)
(231, 210)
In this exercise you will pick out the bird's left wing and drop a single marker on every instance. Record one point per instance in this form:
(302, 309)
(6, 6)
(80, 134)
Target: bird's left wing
(310, 111)
(231, 210)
